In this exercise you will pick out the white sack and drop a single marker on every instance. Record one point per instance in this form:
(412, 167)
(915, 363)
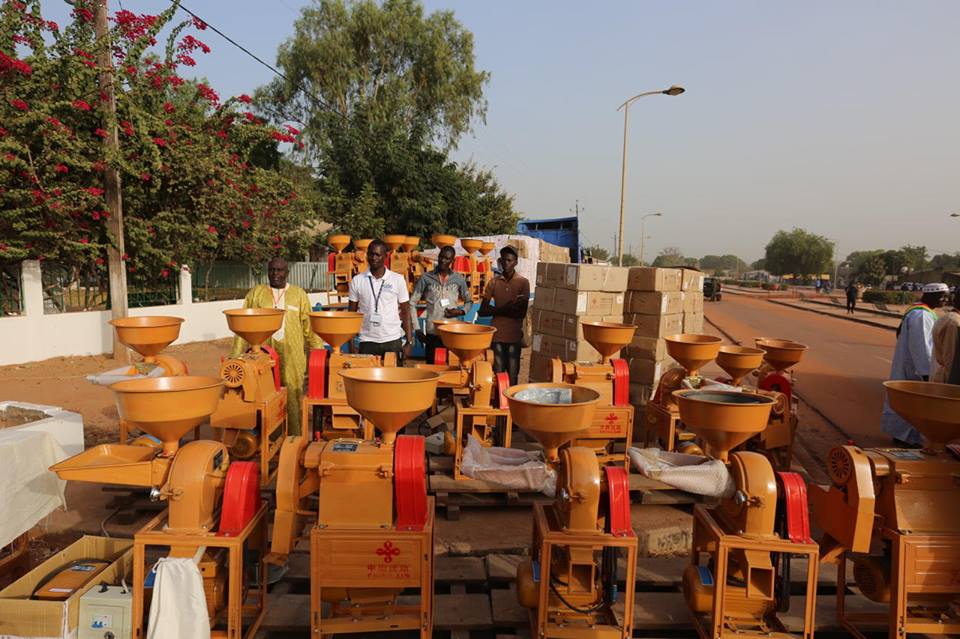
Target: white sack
(691, 473)
(508, 467)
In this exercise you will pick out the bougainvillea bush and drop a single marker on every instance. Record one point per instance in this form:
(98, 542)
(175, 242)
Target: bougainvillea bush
(202, 177)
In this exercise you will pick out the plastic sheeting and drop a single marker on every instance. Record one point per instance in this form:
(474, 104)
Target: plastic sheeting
(120, 374)
(691, 473)
(546, 395)
(509, 467)
(28, 491)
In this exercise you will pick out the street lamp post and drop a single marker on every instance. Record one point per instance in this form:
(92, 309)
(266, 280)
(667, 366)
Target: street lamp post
(674, 90)
(643, 235)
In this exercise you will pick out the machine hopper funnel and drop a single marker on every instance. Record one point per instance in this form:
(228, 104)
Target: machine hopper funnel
(361, 245)
(781, 354)
(336, 327)
(737, 361)
(723, 419)
(167, 407)
(388, 396)
(693, 351)
(487, 247)
(338, 242)
(147, 335)
(394, 242)
(255, 325)
(471, 246)
(468, 341)
(410, 243)
(553, 414)
(933, 409)
(608, 337)
(439, 240)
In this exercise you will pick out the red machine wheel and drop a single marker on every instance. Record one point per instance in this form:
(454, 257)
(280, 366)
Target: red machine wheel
(410, 482)
(621, 382)
(793, 492)
(317, 374)
(241, 497)
(500, 386)
(777, 382)
(440, 356)
(618, 492)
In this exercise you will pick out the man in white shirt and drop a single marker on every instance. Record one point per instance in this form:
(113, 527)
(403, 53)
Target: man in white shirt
(382, 296)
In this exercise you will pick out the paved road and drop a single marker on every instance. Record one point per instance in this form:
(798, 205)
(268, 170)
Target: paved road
(842, 372)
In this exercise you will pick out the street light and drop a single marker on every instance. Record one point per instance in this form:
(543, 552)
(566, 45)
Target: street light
(674, 90)
(643, 235)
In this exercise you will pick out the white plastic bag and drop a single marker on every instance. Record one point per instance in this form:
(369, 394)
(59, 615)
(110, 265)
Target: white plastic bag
(692, 473)
(508, 467)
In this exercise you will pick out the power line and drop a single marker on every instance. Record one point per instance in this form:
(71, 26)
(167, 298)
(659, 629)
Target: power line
(317, 101)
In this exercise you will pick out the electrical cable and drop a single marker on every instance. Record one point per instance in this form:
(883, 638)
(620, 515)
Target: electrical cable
(317, 101)
(583, 611)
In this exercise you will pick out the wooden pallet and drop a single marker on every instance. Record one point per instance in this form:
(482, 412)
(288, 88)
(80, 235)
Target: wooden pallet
(476, 597)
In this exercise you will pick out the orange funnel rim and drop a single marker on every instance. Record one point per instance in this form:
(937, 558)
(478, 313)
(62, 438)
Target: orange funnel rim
(553, 424)
(147, 334)
(467, 340)
(693, 350)
(608, 337)
(781, 353)
(390, 397)
(410, 243)
(255, 325)
(737, 361)
(339, 241)
(440, 240)
(336, 327)
(932, 408)
(724, 419)
(394, 242)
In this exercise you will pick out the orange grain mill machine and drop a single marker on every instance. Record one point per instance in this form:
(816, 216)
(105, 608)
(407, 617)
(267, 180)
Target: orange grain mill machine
(325, 408)
(214, 515)
(373, 536)
(776, 380)
(738, 579)
(251, 419)
(692, 351)
(893, 513)
(480, 409)
(340, 263)
(398, 258)
(570, 583)
(148, 336)
(475, 267)
(613, 420)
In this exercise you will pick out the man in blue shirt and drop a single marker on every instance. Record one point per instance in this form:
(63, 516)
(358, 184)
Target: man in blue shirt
(446, 294)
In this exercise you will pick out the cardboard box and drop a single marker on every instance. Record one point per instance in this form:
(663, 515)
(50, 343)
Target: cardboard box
(569, 350)
(693, 322)
(691, 280)
(543, 297)
(647, 278)
(540, 368)
(541, 274)
(22, 617)
(654, 325)
(693, 302)
(653, 302)
(568, 326)
(645, 371)
(646, 347)
(593, 277)
(570, 302)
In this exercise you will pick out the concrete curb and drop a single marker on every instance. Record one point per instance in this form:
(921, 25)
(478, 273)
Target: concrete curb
(862, 309)
(848, 318)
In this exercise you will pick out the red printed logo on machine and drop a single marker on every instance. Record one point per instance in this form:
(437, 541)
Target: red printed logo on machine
(388, 552)
(611, 424)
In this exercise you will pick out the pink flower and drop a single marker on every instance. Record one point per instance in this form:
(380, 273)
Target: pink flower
(54, 121)
(99, 261)
(80, 104)
(159, 141)
(17, 103)
(184, 59)
(94, 191)
(168, 107)
(200, 24)
(246, 224)
(208, 93)
(292, 130)
(145, 176)
(212, 230)
(62, 168)
(102, 133)
(84, 240)
(249, 116)
(246, 99)
(164, 273)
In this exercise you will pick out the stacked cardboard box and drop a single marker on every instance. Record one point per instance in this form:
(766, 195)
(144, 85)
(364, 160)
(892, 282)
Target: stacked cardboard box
(566, 296)
(659, 302)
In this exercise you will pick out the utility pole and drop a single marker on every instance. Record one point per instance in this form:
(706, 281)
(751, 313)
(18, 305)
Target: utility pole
(111, 177)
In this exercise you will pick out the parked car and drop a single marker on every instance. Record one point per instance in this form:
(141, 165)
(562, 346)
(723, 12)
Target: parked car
(711, 289)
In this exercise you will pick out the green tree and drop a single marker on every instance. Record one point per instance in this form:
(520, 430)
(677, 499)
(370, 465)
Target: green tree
(798, 252)
(915, 257)
(721, 264)
(945, 261)
(383, 92)
(628, 260)
(869, 267)
(759, 265)
(670, 257)
(598, 252)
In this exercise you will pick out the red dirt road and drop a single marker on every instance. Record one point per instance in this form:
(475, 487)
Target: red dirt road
(840, 376)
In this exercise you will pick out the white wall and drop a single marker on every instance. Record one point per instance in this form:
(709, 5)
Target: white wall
(36, 336)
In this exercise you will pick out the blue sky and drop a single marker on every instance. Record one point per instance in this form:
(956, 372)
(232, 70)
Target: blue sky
(839, 117)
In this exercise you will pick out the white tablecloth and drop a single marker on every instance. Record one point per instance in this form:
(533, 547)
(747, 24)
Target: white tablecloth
(28, 491)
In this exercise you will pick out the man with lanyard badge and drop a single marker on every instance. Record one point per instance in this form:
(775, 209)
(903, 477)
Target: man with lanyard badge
(440, 289)
(381, 295)
(911, 359)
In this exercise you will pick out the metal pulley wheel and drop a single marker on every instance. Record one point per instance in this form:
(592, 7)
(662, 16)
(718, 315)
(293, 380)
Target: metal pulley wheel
(840, 465)
(232, 373)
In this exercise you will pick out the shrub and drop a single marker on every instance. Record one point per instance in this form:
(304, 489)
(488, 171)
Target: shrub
(890, 297)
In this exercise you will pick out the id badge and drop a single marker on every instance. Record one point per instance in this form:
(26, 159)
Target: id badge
(444, 303)
(375, 319)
